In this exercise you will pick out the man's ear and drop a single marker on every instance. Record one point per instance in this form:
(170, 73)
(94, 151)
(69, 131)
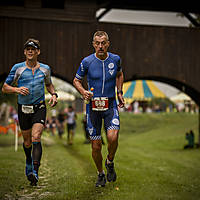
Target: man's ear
(24, 51)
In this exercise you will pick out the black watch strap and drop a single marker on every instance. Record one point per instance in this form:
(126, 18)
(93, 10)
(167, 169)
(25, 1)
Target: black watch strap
(55, 95)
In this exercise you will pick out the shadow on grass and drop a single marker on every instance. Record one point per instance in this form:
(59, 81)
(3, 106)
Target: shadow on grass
(186, 150)
(97, 193)
(89, 192)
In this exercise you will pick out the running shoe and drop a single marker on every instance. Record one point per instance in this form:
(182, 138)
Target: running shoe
(29, 171)
(111, 174)
(35, 178)
(101, 180)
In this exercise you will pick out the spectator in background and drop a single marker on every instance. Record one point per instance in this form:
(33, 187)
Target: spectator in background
(61, 123)
(136, 107)
(71, 124)
(53, 125)
(15, 116)
(47, 124)
(86, 132)
(190, 138)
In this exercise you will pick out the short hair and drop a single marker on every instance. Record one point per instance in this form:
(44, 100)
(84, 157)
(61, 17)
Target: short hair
(36, 43)
(100, 34)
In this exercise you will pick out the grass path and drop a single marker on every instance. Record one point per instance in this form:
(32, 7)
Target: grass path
(150, 164)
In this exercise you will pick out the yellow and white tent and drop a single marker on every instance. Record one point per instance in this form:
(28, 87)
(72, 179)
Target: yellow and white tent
(180, 97)
(141, 90)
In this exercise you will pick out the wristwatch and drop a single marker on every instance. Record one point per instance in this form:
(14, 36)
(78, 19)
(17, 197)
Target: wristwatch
(55, 95)
(120, 92)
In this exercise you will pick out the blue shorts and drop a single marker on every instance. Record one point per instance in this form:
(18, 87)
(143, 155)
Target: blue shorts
(94, 119)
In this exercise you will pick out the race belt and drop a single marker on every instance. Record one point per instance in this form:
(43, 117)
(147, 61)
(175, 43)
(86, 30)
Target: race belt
(100, 103)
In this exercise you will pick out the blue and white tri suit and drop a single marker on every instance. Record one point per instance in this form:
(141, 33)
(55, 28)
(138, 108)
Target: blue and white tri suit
(22, 76)
(101, 75)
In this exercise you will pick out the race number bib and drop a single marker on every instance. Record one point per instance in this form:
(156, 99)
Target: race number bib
(27, 109)
(100, 103)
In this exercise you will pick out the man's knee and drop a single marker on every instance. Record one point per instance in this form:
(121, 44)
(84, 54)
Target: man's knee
(36, 136)
(37, 132)
(27, 138)
(96, 146)
(27, 143)
(112, 136)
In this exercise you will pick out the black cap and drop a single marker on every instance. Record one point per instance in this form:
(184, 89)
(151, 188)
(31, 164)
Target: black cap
(31, 44)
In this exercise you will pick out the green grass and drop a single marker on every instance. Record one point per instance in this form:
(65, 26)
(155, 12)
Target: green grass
(150, 163)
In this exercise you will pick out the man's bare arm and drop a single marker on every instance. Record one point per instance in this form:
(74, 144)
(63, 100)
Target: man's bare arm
(85, 93)
(53, 100)
(50, 88)
(11, 89)
(119, 83)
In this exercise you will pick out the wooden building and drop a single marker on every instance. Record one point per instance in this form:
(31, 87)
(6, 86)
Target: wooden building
(65, 29)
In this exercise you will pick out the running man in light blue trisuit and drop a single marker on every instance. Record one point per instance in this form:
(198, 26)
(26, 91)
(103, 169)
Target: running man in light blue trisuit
(28, 79)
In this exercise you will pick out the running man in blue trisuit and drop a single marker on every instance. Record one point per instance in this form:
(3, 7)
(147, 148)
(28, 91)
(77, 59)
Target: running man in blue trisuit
(104, 74)
(27, 79)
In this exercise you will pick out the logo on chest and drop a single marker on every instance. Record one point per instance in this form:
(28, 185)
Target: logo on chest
(111, 68)
(111, 65)
(111, 71)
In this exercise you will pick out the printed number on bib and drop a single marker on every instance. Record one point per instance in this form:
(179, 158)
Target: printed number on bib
(100, 103)
(27, 109)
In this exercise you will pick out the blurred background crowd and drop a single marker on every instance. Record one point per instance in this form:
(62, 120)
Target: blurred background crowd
(140, 97)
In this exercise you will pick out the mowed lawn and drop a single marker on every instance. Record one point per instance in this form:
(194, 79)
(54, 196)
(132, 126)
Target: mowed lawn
(151, 163)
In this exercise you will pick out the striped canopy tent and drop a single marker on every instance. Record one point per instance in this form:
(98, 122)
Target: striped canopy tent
(141, 90)
(180, 97)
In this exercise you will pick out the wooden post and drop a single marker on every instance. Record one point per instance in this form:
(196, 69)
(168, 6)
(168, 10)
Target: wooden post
(16, 137)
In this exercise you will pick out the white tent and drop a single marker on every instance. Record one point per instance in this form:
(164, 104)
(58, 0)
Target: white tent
(62, 96)
(180, 97)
